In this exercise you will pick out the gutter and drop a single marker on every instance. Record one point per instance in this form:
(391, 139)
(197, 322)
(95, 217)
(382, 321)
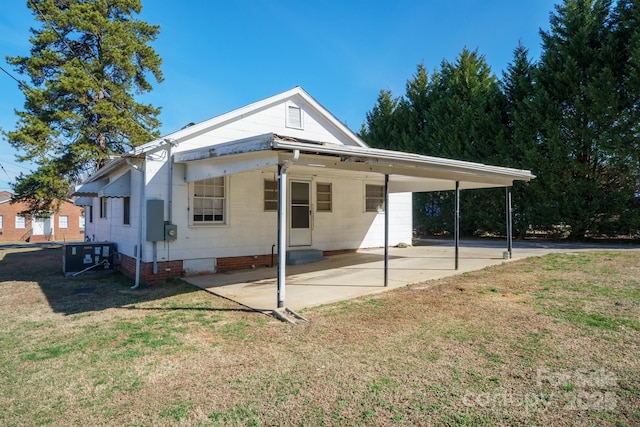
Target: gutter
(140, 207)
(396, 158)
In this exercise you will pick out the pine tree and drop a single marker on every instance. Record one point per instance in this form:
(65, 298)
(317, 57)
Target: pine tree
(88, 59)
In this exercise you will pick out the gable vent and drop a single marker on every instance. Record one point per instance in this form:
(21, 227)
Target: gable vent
(294, 117)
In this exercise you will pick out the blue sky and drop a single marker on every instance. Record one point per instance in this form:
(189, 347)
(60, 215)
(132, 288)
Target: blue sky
(218, 56)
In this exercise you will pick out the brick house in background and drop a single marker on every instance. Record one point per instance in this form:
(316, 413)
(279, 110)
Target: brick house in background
(65, 225)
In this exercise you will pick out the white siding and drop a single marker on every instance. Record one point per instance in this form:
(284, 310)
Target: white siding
(268, 120)
(249, 230)
(111, 228)
(252, 231)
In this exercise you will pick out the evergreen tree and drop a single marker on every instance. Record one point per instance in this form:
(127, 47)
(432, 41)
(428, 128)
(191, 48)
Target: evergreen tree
(519, 90)
(88, 60)
(626, 48)
(466, 114)
(466, 121)
(412, 112)
(381, 129)
(583, 168)
(518, 87)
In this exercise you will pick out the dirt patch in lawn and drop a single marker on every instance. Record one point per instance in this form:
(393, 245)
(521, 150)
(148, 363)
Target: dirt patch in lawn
(551, 340)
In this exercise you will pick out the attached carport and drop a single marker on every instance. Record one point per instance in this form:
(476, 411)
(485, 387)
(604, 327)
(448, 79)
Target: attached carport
(402, 172)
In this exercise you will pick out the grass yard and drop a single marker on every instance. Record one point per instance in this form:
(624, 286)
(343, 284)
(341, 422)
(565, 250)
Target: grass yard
(553, 340)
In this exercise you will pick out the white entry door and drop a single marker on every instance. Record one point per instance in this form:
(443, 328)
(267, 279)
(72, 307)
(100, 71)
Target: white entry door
(300, 213)
(41, 227)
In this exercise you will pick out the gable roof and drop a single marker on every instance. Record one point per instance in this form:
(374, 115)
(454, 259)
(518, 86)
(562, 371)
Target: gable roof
(5, 196)
(296, 94)
(411, 172)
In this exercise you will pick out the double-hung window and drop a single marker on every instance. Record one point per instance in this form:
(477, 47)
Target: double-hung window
(209, 201)
(374, 198)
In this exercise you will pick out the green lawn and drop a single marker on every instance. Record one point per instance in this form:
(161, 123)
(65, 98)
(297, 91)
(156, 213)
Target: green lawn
(552, 340)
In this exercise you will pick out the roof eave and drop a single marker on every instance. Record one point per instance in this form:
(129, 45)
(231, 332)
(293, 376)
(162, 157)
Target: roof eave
(388, 158)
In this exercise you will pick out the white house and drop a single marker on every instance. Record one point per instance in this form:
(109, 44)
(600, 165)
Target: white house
(206, 198)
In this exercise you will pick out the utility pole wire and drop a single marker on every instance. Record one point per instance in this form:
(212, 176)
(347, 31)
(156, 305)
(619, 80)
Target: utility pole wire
(5, 171)
(20, 82)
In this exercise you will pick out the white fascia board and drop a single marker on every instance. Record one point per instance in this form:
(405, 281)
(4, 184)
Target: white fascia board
(241, 146)
(197, 170)
(112, 168)
(395, 162)
(215, 122)
(328, 115)
(419, 185)
(197, 129)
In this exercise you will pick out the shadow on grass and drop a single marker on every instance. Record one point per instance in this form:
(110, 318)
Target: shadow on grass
(246, 310)
(91, 291)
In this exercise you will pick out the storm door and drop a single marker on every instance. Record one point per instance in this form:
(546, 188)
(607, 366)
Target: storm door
(300, 213)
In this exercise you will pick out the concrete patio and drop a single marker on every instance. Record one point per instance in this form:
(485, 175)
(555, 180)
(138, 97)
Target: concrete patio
(346, 276)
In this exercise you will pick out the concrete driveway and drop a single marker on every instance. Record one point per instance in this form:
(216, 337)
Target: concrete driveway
(346, 276)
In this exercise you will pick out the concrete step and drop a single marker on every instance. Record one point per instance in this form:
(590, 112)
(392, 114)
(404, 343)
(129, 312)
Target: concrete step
(304, 256)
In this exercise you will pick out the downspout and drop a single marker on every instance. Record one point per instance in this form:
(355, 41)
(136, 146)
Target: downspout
(140, 207)
(282, 224)
(170, 194)
(169, 201)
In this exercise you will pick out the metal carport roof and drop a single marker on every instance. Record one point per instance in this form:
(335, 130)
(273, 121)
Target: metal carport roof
(408, 172)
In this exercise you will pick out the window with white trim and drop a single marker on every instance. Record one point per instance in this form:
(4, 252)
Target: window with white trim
(21, 222)
(270, 195)
(374, 198)
(208, 201)
(1, 222)
(323, 197)
(63, 221)
(81, 221)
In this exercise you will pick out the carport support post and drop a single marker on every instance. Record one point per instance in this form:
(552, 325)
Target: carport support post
(509, 223)
(386, 230)
(282, 230)
(456, 231)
